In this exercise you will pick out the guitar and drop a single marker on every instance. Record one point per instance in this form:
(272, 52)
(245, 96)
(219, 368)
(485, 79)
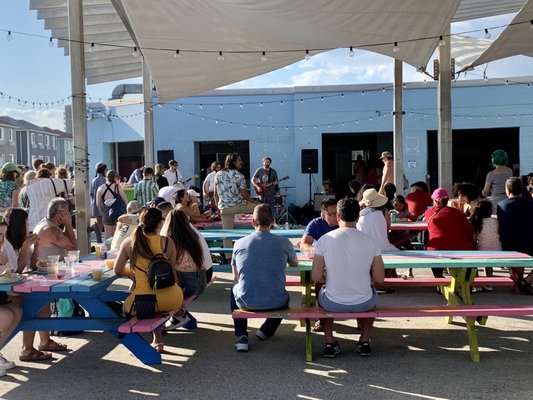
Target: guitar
(181, 184)
(261, 190)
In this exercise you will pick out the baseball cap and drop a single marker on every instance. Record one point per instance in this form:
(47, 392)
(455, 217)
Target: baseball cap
(8, 167)
(193, 192)
(439, 194)
(385, 154)
(156, 201)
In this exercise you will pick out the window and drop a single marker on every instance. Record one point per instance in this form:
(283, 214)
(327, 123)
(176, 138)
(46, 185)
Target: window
(1, 133)
(33, 138)
(47, 159)
(53, 142)
(47, 140)
(54, 160)
(12, 158)
(11, 139)
(40, 138)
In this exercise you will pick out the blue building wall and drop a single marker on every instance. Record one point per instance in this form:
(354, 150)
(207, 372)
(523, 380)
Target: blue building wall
(281, 122)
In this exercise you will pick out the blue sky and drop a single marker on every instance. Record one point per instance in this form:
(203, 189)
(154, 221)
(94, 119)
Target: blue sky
(33, 71)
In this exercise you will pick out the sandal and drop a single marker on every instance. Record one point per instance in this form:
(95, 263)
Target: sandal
(35, 355)
(159, 347)
(53, 346)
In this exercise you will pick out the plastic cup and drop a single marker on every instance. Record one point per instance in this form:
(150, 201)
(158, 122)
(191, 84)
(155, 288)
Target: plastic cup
(109, 263)
(54, 264)
(74, 254)
(69, 264)
(98, 249)
(97, 274)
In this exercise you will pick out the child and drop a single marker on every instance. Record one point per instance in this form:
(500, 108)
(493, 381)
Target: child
(400, 206)
(486, 235)
(402, 239)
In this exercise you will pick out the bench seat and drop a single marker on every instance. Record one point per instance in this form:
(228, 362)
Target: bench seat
(151, 324)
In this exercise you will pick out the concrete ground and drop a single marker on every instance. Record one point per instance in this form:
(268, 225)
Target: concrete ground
(413, 358)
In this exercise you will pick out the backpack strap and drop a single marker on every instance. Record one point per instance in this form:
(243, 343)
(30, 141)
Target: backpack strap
(108, 188)
(54, 185)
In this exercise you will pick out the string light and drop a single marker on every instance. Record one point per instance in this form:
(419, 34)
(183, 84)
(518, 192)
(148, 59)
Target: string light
(51, 42)
(177, 54)
(396, 49)
(351, 53)
(9, 37)
(307, 55)
(135, 53)
(487, 34)
(442, 42)
(91, 48)
(264, 57)
(531, 24)
(220, 56)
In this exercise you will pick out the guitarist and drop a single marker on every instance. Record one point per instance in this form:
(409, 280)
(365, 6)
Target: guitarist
(173, 174)
(265, 181)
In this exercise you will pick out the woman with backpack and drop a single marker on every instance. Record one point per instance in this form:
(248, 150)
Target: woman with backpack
(104, 198)
(140, 249)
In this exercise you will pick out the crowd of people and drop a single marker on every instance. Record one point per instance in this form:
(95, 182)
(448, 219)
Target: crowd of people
(347, 239)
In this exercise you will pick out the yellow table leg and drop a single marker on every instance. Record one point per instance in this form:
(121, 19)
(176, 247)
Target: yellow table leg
(308, 341)
(472, 339)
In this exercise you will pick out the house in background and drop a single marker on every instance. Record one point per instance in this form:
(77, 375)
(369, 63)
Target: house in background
(8, 149)
(32, 142)
(65, 147)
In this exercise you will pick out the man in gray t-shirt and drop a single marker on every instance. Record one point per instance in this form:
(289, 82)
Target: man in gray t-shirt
(259, 262)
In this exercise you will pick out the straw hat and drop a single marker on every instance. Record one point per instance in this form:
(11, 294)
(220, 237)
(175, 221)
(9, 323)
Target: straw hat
(371, 198)
(193, 192)
(385, 154)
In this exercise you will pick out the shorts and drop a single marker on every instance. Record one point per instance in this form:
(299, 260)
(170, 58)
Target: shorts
(330, 305)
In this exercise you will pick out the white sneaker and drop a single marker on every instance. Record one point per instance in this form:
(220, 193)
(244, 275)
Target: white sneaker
(3, 372)
(177, 322)
(6, 364)
(260, 335)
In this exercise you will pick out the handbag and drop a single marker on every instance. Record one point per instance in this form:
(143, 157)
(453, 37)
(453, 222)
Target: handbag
(144, 305)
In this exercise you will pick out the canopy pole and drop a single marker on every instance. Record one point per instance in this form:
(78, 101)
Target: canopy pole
(398, 125)
(148, 116)
(444, 105)
(79, 121)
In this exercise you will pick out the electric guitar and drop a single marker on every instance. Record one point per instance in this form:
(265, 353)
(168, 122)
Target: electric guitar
(261, 190)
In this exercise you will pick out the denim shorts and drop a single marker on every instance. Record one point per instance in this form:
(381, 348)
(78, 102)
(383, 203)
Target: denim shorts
(330, 305)
(192, 283)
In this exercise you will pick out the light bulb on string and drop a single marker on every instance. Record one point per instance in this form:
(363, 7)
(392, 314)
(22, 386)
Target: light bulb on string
(487, 34)
(307, 55)
(51, 42)
(9, 37)
(531, 24)
(220, 56)
(351, 53)
(442, 42)
(396, 48)
(177, 54)
(264, 57)
(91, 48)
(135, 52)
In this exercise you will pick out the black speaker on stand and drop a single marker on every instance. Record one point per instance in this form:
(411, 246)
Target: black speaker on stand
(310, 166)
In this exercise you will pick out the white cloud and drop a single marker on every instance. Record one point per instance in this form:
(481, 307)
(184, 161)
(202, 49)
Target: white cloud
(52, 118)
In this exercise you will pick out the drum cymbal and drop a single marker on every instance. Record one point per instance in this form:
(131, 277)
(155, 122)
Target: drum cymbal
(287, 187)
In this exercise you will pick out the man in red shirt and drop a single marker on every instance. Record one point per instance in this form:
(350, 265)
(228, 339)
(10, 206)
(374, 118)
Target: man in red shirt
(419, 199)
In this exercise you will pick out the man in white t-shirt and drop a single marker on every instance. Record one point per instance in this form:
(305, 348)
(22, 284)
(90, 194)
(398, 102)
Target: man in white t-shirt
(209, 183)
(173, 174)
(353, 263)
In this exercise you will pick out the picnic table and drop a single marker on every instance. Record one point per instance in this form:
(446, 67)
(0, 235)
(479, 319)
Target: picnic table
(92, 295)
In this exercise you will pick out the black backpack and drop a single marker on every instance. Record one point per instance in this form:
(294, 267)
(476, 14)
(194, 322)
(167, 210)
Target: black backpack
(160, 271)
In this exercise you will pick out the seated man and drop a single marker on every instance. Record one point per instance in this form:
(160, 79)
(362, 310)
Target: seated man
(353, 262)
(319, 226)
(259, 263)
(55, 231)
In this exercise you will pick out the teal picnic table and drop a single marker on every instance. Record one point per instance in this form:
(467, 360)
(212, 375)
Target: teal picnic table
(462, 266)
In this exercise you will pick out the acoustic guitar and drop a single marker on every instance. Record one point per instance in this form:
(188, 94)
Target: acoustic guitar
(261, 190)
(181, 184)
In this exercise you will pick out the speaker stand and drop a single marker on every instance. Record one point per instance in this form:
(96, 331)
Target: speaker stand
(310, 201)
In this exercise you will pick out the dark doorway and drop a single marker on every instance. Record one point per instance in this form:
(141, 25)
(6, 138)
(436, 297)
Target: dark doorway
(472, 150)
(340, 149)
(129, 157)
(217, 151)
(164, 156)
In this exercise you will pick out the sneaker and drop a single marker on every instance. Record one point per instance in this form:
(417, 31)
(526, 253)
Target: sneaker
(177, 322)
(6, 364)
(488, 288)
(242, 343)
(260, 335)
(332, 349)
(3, 372)
(192, 324)
(363, 348)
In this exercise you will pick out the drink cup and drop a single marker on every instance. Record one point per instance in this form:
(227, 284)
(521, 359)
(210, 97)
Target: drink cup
(98, 249)
(110, 263)
(69, 264)
(74, 254)
(54, 264)
(97, 274)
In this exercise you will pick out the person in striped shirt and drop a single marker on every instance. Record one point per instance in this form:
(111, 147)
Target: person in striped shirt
(146, 189)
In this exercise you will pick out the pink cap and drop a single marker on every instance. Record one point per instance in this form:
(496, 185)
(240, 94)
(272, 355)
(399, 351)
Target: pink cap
(440, 193)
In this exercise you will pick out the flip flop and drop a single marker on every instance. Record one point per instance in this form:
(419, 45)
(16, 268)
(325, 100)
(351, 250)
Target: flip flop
(35, 355)
(53, 346)
(159, 347)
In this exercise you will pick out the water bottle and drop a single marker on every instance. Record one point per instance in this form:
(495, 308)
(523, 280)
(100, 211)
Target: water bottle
(287, 226)
(393, 217)
(103, 251)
